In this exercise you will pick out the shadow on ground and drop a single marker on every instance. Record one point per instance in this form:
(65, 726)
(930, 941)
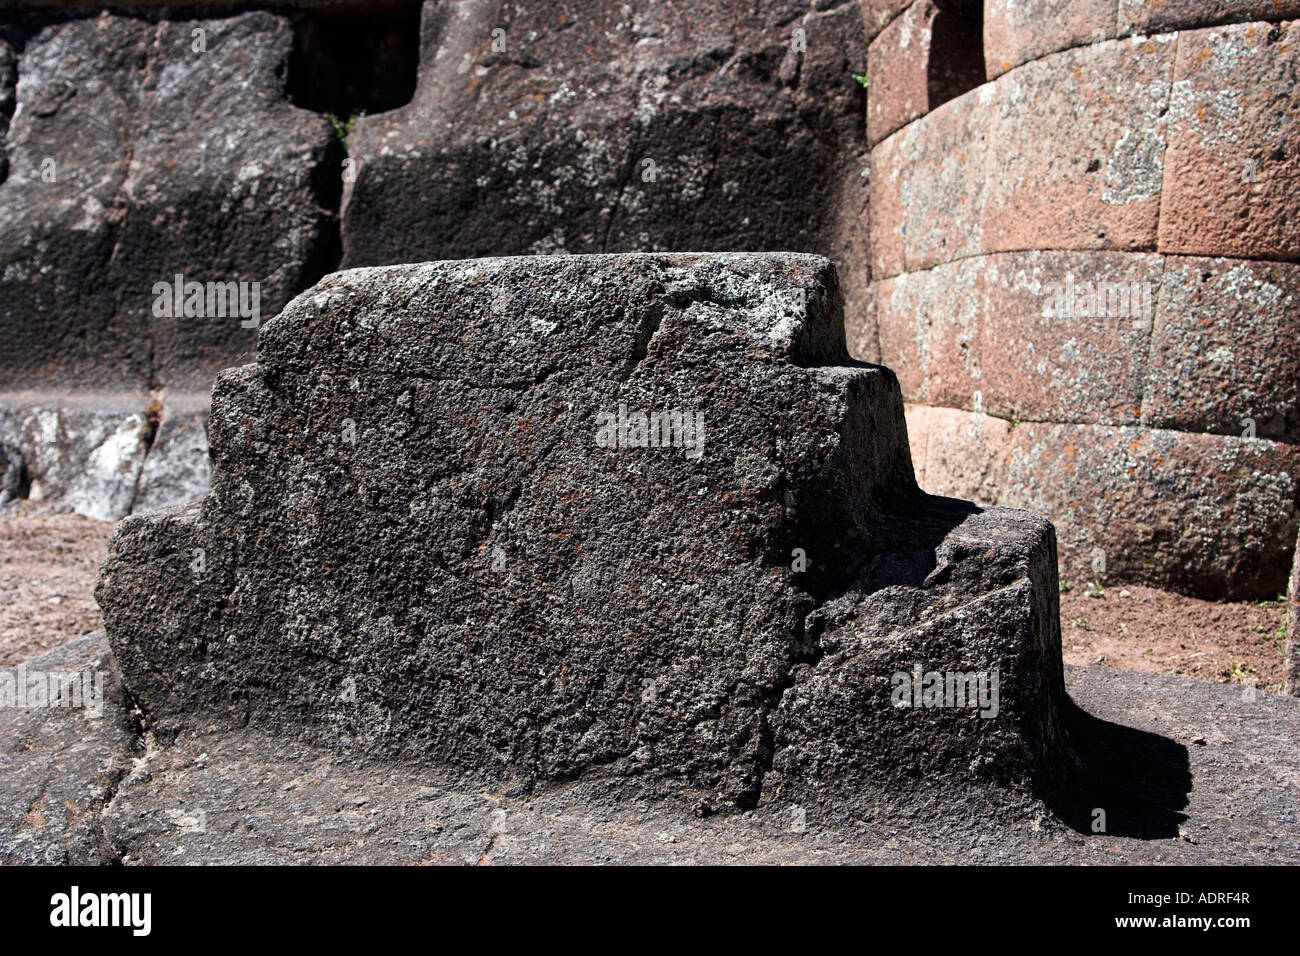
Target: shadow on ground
(1130, 783)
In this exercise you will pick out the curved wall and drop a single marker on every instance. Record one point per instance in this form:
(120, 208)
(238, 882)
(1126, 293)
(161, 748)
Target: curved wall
(1086, 277)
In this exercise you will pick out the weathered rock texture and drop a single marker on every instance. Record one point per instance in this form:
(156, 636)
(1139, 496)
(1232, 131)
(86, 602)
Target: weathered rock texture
(247, 796)
(1116, 141)
(1158, 16)
(606, 127)
(1207, 514)
(534, 128)
(8, 79)
(1293, 629)
(1153, 178)
(1017, 31)
(142, 148)
(103, 455)
(84, 451)
(61, 764)
(134, 157)
(414, 543)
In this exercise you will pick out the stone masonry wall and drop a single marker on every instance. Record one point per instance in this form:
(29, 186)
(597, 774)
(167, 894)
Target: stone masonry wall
(1087, 277)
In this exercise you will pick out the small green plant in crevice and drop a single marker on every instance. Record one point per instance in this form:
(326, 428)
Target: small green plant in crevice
(862, 79)
(1095, 589)
(343, 128)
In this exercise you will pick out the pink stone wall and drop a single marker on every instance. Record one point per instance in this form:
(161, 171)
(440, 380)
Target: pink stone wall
(1087, 276)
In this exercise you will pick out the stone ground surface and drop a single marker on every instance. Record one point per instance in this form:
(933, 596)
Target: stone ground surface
(1210, 777)
(48, 565)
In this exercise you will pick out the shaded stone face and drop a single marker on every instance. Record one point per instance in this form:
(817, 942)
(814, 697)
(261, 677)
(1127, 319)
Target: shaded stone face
(141, 150)
(930, 53)
(438, 530)
(626, 127)
(8, 78)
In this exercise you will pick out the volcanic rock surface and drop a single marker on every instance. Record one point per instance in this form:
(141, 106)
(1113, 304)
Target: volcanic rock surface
(436, 532)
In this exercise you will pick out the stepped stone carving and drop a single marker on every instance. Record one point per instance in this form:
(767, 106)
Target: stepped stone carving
(439, 529)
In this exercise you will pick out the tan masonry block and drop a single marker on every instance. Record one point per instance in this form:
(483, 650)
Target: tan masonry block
(927, 323)
(1233, 161)
(1075, 154)
(1159, 16)
(927, 188)
(1066, 152)
(1211, 515)
(1017, 31)
(1065, 335)
(899, 62)
(1225, 356)
(1042, 336)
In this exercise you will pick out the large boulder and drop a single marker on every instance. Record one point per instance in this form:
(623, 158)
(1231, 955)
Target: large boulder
(438, 529)
(140, 150)
(643, 126)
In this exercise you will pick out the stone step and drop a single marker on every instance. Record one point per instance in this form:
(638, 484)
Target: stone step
(440, 529)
